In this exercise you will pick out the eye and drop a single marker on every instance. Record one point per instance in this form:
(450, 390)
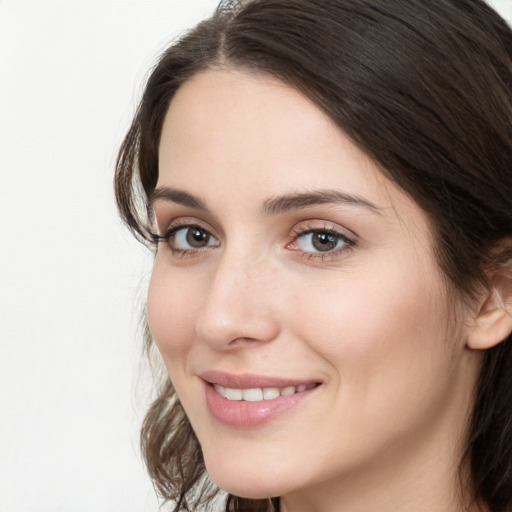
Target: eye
(184, 239)
(320, 241)
(192, 238)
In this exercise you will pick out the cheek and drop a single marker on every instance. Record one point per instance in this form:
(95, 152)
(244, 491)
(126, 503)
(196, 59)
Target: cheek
(172, 309)
(376, 328)
(386, 345)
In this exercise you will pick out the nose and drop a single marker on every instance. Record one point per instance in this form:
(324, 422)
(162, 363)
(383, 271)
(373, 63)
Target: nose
(239, 307)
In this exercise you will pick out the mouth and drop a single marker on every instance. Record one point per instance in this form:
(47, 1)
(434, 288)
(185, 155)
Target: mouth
(253, 401)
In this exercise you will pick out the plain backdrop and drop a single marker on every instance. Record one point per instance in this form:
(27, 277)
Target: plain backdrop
(71, 277)
(72, 393)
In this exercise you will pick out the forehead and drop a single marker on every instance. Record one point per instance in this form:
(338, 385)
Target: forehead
(231, 134)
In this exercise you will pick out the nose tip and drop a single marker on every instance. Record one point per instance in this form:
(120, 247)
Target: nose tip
(226, 333)
(237, 309)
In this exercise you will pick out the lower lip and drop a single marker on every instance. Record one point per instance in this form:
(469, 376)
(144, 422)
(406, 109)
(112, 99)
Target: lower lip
(239, 413)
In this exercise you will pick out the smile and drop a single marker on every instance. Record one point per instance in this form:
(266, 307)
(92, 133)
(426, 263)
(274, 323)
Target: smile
(251, 401)
(259, 394)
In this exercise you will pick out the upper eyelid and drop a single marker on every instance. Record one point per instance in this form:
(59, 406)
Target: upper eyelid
(162, 209)
(171, 231)
(172, 227)
(348, 240)
(298, 229)
(184, 222)
(328, 226)
(164, 213)
(334, 232)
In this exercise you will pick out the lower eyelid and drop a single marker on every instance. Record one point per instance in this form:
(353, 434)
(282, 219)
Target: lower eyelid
(169, 238)
(347, 242)
(344, 244)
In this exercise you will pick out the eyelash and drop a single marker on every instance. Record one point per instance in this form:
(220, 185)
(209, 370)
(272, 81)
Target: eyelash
(171, 232)
(297, 234)
(302, 231)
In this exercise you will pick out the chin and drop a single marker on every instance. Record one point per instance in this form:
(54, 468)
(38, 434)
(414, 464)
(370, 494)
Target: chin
(248, 482)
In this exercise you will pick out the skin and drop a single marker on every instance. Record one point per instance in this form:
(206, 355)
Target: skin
(371, 321)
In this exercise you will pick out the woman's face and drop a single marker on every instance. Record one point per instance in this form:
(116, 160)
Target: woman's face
(300, 278)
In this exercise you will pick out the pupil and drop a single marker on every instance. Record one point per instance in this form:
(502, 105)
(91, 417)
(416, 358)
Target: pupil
(197, 238)
(324, 241)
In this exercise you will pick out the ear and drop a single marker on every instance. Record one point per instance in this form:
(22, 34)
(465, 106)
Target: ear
(494, 319)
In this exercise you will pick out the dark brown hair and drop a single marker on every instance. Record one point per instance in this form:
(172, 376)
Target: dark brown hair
(424, 88)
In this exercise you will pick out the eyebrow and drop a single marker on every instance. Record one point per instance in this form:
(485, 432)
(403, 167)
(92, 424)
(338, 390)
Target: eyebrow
(176, 196)
(273, 205)
(297, 201)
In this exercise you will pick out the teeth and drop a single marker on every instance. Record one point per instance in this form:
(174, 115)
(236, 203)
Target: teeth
(220, 389)
(288, 390)
(270, 393)
(233, 394)
(252, 395)
(258, 394)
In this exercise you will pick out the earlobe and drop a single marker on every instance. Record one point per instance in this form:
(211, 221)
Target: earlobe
(494, 321)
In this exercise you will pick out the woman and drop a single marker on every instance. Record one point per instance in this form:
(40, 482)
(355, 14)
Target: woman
(327, 185)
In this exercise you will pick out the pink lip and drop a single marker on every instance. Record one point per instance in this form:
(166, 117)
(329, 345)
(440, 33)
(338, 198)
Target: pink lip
(248, 380)
(239, 413)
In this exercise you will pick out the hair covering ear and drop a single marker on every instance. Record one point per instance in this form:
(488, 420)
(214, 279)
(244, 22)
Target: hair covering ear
(493, 323)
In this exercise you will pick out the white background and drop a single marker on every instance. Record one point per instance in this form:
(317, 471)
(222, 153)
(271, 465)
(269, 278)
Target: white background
(71, 278)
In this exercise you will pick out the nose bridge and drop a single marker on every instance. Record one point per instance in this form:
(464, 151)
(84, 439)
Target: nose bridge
(238, 302)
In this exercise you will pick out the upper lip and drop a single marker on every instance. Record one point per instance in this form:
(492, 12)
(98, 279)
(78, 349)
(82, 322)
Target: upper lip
(249, 380)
